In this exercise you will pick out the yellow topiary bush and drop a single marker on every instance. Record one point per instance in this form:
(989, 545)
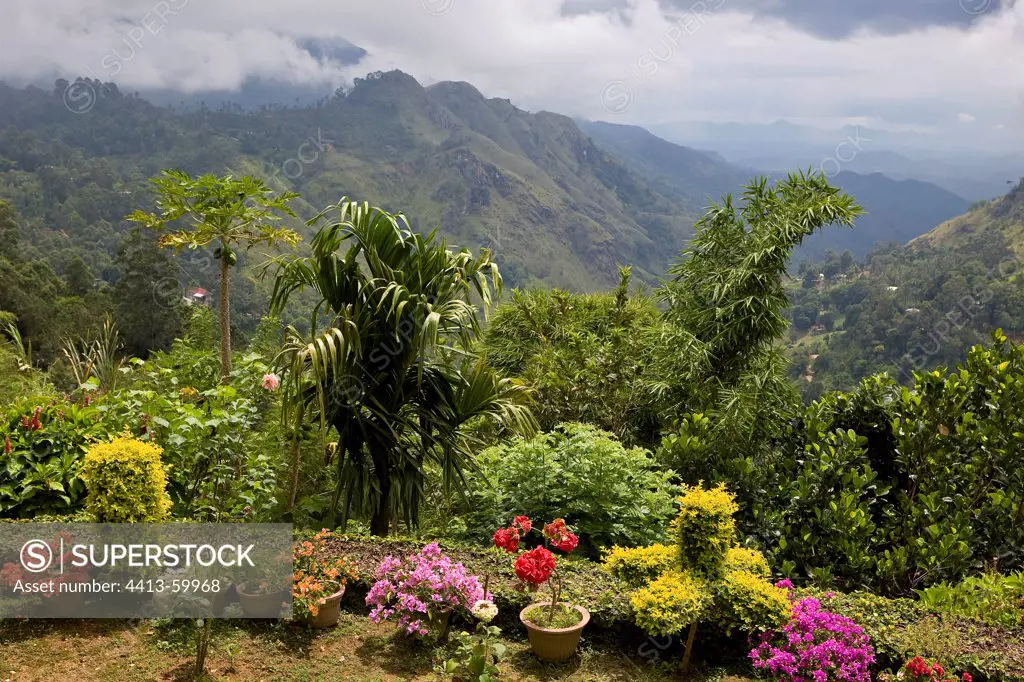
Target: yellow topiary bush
(638, 566)
(126, 482)
(671, 603)
(749, 602)
(705, 529)
(750, 560)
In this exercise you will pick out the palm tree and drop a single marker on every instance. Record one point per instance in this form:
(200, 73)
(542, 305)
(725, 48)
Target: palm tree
(388, 362)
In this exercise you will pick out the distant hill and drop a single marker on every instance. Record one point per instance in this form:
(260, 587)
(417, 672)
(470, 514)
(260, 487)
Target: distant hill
(1002, 219)
(895, 211)
(973, 170)
(562, 203)
(674, 169)
(912, 307)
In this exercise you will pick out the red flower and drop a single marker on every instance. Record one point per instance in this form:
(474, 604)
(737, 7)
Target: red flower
(535, 566)
(522, 524)
(506, 539)
(918, 668)
(968, 678)
(567, 542)
(7, 445)
(937, 670)
(555, 529)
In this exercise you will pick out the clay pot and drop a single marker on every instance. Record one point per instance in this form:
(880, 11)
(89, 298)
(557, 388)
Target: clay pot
(261, 605)
(329, 613)
(553, 645)
(439, 622)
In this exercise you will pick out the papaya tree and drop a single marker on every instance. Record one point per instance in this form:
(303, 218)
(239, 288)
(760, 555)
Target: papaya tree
(229, 212)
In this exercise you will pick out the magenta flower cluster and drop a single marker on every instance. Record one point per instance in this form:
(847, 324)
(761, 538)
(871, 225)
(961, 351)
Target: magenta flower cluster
(409, 589)
(816, 646)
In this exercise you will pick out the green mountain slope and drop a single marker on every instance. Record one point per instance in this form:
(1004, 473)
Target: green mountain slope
(556, 208)
(676, 170)
(912, 307)
(1002, 219)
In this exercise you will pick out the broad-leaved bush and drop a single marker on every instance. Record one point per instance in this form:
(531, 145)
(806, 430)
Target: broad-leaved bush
(611, 494)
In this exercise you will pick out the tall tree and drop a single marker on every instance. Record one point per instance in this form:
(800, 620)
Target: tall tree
(727, 289)
(229, 211)
(389, 363)
(726, 297)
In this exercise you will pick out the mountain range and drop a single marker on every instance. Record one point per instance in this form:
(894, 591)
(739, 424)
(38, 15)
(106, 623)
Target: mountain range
(561, 202)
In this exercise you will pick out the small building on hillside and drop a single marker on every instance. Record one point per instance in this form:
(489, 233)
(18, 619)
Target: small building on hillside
(197, 295)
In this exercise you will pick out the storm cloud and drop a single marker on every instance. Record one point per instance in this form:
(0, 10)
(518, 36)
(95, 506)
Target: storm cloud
(941, 65)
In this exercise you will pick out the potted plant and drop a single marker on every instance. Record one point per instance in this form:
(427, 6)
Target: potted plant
(262, 591)
(421, 592)
(554, 627)
(318, 584)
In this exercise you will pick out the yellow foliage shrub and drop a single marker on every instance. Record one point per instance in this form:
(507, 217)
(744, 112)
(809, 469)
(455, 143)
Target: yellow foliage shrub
(126, 482)
(705, 529)
(750, 560)
(640, 565)
(670, 604)
(747, 601)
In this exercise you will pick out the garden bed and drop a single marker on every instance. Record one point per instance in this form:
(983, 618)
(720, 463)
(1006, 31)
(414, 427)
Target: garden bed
(586, 583)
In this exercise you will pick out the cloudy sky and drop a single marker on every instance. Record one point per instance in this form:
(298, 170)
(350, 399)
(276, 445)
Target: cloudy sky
(953, 66)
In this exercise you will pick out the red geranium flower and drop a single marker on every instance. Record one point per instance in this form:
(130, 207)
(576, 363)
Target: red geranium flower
(918, 668)
(506, 539)
(522, 524)
(554, 530)
(968, 678)
(535, 566)
(567, 542)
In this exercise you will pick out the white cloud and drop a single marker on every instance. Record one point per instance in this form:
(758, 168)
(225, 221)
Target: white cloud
(726, 66)
(966, 118)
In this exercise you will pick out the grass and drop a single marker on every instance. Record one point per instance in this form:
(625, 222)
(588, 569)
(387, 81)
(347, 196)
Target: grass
(356, 650)
(564, 616)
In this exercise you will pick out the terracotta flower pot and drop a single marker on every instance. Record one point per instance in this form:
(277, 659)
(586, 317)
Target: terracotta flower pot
(554, 644)
(439, 622)
(261, 605)
(329, 613)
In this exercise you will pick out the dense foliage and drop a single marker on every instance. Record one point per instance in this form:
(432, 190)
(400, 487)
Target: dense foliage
(393, 405)
(614, 495)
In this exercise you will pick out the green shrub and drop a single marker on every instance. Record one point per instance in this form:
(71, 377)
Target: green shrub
(640, 565)
(670, 604)
(899, 488)
(611, 494)
(884, 620)
(705, 529)
(126, 482)
(992, 599)
(42, 442)
(749, 560)
(747, 601)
